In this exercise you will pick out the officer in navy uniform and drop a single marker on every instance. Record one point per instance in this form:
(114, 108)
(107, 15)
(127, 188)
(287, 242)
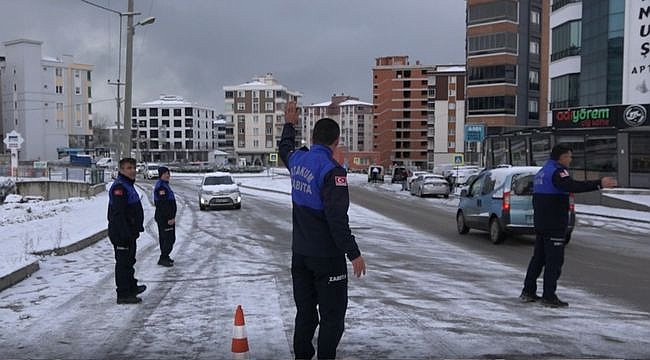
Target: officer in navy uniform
(321, 237)
(551, 206)
(125, 223)
(165, 216)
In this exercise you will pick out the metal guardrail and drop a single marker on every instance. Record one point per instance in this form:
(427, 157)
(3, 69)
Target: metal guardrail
(78, 174)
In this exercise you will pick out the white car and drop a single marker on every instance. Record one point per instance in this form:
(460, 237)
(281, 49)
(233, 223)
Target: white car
(219, 190)
(151, 171)
(105, 163)
(430, 184)
(414, 175)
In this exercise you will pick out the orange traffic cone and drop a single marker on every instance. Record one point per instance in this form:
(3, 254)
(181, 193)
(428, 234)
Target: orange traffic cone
(239, 339)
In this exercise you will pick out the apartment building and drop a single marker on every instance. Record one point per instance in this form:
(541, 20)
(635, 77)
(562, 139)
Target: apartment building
(47, 100)
(507, 63)
(172, 129)
(353, 116)
(256, 109)
(446, 116)
(401, 108)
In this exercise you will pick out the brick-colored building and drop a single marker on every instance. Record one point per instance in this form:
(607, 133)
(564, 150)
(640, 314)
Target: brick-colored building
(400, 97)
(507, 63)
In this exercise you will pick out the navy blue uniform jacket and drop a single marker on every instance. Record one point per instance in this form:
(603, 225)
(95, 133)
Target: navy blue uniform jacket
(125, 214)
(551, 198)
(165, 201)
(320, 200)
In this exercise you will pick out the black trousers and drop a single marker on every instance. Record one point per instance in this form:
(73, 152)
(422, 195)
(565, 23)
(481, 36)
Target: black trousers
(320, 287)
(124, 269)
(166, 239)
(548, 254)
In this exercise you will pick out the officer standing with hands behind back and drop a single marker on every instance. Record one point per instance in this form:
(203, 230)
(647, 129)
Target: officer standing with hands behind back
(125, 223)
(165, 216)
(551, 216)
(321, 237)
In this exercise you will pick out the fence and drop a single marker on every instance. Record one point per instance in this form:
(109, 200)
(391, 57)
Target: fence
(77, 174)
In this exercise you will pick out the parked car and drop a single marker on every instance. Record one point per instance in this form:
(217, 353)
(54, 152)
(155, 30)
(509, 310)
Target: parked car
(413, 176)
(105, 163)
(500, 201)
(151, 171)
(219, 190)
(430, 184)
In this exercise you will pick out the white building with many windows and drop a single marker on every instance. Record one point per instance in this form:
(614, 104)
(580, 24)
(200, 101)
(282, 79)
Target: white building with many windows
(171, 129)
(256, 109)
(47, 100)
(353, 116)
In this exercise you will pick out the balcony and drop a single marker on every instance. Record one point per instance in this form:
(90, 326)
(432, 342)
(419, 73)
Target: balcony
(558, 4)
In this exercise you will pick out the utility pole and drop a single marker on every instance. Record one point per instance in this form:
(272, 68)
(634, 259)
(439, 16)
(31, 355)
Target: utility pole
(129, 81)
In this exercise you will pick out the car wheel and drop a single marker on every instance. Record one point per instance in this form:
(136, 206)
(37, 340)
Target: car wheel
(237, 206)
(460, 223)
(567, 238)
(496, 234)
(446, 196)
(201, 207)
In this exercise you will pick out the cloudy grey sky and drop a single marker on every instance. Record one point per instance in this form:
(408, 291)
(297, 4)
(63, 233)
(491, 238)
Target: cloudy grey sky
(317, 47)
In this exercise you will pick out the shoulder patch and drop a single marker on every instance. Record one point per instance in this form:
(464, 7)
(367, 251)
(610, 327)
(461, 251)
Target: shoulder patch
(118, 191)
(564, 173)
(161, 192)
(340, 181)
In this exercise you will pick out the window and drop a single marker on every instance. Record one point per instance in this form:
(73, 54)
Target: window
(241, 94)
(269, 94)
(639, 155)
(533, 79)
(451, 131)
(230, 94)
(142, 112)
(566, 40)
(241, 106)
(269, 143)
(494, 11)
(256, 131)
(256, 107)
(491, 105)
(451, 106)
(268, 106)
(189, 123)
(77, 115)
(153, 112)
(59, 89)
(452, 118)
(268, 119)
(153, 123)
(189, 111)
(189, 133)
(178, 123)
(492, 74)
(76, 73)
(533, 109)
(535, 17)
(452, 79)
(534, 46)
(178, 134)
(59, 106)
(177, 112)
(565, 91)
(452, 92)
(58, 71)
(90, 108)
(165, 112)
(256, 143)
(88, 75)
(451, 144)
(493, 43)
(256, 94)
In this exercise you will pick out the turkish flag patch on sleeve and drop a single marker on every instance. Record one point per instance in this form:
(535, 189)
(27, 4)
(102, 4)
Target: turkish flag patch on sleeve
(161, 192)
(118, 192)
(340, 181)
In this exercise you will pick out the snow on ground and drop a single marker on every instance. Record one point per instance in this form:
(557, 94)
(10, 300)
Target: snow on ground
(46, 225)
(458, 312)
(42, 226)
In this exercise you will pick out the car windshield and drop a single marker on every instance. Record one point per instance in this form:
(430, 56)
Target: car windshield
(522, 184)
(218, 180)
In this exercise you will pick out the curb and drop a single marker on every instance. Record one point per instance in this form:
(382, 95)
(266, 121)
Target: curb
(613, 217)
(18, 275)
(24, 272)
(83, 243)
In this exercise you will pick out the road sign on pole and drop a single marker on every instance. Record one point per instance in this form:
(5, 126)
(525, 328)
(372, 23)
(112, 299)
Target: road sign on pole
(459, 159)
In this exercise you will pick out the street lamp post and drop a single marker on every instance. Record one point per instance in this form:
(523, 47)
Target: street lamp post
(124, 146)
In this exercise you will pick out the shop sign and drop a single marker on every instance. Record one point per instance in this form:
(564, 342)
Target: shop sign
(636, 52)
(474, 132)
(617, 116)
